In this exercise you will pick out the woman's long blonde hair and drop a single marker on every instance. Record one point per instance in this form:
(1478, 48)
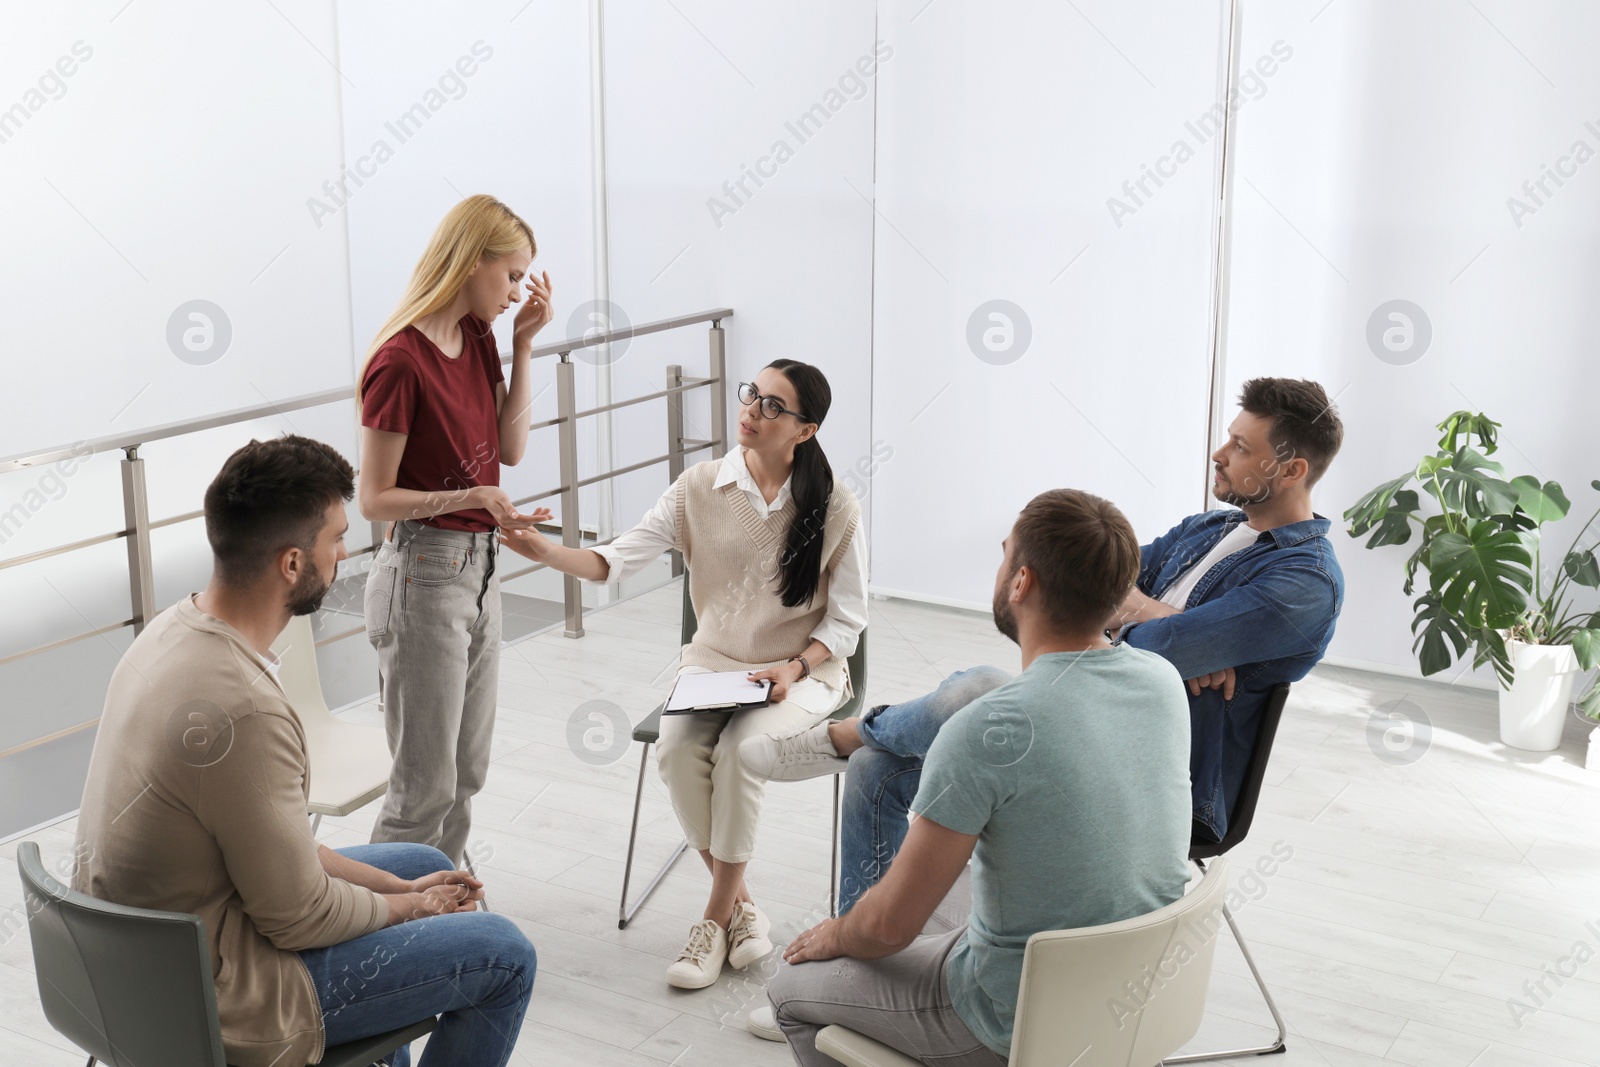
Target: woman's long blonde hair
(477, 228)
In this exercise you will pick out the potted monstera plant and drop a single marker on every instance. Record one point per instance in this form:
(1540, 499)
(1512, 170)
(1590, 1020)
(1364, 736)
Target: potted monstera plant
(1490, 584)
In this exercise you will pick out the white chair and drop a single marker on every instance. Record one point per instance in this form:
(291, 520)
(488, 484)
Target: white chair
(350, 763)
(1084, 999)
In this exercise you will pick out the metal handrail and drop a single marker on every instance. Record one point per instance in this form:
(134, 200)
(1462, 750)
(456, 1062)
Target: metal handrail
(689, 383)
(133, 439)
(135, 503)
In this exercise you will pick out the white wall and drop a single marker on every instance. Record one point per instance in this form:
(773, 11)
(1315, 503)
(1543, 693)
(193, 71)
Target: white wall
(1378, 167)
(1003, 132)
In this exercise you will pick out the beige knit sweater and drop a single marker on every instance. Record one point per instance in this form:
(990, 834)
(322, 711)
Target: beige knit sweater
(733, 557)
(196, 802)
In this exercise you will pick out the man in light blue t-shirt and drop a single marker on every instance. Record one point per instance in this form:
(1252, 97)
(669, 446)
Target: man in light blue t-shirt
(1067, 786)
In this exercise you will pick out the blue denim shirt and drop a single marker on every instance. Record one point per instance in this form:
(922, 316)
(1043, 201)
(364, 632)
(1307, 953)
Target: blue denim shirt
(1267, 611)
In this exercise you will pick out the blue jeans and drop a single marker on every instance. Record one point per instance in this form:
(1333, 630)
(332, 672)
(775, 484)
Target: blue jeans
(884, 774)
(474, 969)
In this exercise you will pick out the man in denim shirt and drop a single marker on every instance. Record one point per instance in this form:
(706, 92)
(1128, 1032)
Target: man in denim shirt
(1237, 599)
(1243, 598)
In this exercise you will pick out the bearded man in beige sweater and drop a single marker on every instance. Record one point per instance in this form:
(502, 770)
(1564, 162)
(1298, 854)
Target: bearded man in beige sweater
(196, 802)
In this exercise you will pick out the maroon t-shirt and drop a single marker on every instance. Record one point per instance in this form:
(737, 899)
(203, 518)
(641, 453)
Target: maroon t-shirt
(446, 408)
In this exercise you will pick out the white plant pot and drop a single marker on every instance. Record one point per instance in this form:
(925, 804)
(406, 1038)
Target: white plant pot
(1593, 761)
(1534, 710)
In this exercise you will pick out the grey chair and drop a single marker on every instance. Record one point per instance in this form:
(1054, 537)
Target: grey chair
(1202, 849)
(132, 987)
(648, 732)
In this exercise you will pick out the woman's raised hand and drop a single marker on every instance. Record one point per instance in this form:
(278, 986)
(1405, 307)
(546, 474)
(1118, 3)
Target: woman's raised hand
(534, 314)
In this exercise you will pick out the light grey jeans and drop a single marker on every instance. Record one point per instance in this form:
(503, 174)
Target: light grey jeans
(432, 609)
(901, 1000)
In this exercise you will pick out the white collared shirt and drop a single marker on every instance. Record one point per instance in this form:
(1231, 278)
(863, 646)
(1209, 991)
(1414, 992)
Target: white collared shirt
(657, 532)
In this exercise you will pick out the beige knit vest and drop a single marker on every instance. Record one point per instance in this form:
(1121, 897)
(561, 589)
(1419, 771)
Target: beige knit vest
(733, 558)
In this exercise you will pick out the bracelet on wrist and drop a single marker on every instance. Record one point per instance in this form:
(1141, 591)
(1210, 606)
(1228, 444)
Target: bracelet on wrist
(805, 666)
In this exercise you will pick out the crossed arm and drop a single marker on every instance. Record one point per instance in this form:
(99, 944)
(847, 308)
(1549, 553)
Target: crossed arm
(1137, 608)
(1282, 611)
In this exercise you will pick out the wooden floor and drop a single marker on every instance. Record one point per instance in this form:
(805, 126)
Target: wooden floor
(1418, 899)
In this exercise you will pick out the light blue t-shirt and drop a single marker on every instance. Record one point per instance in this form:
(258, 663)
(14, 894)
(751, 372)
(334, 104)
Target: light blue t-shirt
(1075, 777)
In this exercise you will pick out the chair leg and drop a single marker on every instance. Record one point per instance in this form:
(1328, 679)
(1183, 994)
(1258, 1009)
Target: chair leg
(625, 914)
(1266, 994)
(316, 821)
(833, 855)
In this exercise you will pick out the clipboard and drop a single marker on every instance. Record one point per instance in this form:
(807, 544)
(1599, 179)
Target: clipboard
(716, 691)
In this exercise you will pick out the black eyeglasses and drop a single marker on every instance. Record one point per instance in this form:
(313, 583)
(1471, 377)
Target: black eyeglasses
(771, 407)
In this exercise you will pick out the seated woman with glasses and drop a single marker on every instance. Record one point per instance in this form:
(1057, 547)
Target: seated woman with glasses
(777, 575)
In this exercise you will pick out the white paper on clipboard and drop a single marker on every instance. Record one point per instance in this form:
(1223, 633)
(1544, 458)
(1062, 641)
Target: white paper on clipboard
(718, 689)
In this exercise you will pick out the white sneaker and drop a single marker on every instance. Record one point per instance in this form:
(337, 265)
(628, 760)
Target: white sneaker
(700, 963)
(763, 1022)
(747, 936)
(792, 756)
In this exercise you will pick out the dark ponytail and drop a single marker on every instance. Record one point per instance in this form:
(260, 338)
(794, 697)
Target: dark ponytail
(811, 486)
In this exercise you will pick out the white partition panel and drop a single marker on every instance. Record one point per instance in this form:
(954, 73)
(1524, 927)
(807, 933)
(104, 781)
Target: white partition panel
(447, 101)
(160, 266)
(154, 162)
(1043, 271)
(739, 151)
(1441, 154)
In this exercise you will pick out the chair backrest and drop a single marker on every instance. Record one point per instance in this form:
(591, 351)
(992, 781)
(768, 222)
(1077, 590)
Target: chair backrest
(1126, 994)
(296, 647)
(1244, 805)
(130, 987)
(857, 661)
(858, 673)
(690, 623)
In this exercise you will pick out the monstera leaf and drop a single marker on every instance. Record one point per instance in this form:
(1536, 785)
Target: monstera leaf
(1590, 705)
(1467, 424)
(1468, 483)
(1371, 509)
(1492, 649)
(1581, 566)
(1430, 529)
(1433, 628)
(1543, 503)
(1394, 528)
(1586, 643)
(1482, 576)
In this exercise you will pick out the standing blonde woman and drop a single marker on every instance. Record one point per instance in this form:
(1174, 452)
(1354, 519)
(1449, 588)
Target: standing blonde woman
(438, 418)
(777, 575)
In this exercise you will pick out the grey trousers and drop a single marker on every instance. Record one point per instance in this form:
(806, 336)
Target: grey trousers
(432, 609)
(901, 1000)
